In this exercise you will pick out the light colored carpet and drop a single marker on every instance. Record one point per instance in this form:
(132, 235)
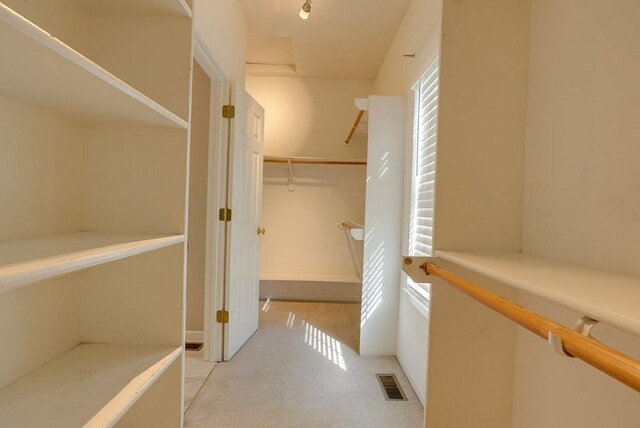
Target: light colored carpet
(300, 369)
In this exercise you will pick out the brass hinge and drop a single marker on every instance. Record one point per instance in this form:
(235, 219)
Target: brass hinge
(228, 111)
(222, 317)
(224, 214)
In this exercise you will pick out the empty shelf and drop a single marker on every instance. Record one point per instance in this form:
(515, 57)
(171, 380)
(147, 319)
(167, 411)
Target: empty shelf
(90, 384)
(605, 296)
(27, 260)
(40, 70)
(141, 7)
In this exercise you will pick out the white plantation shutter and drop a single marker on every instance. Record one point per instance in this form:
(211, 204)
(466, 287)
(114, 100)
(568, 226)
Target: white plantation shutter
(423, 186)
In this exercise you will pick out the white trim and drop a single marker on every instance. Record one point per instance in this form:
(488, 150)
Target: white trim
(217, 151)
(412, 381)
(194, 336)
(420, 304)
(314, 291)
(205, 58)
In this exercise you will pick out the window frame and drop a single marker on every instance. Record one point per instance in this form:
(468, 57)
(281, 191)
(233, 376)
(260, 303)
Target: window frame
(420, 293)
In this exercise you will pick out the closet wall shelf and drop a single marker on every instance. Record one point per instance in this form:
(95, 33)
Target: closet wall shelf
(41, 70)
(608, 297)
(91, 385)
(314, 161)
(24, 261)
(141, 7)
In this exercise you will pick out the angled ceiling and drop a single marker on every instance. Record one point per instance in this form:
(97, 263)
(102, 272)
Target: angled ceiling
(341, 39)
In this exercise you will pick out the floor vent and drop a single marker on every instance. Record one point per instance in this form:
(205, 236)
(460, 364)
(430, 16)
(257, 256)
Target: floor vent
(390, 387)
(193, 346)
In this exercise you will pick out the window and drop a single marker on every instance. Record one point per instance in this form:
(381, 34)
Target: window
(425, 138)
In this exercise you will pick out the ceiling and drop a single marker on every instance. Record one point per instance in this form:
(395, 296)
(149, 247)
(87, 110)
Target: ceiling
(341, 39)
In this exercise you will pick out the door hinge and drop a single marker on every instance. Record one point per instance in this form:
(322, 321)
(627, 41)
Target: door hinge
(228, 111)
(222, 317)
(224, 214)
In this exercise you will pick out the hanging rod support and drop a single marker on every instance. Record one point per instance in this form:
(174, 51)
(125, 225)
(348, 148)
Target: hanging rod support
(354, 127)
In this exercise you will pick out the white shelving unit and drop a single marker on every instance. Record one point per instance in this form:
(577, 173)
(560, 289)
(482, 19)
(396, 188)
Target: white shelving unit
(93, 166)
(47, 73)
(63, 392)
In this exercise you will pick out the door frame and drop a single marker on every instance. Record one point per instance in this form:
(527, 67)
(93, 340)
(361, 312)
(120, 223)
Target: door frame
(216, 193)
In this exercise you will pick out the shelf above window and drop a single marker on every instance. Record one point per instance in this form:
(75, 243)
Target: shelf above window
(608, 297)
(42, 71)
(141, 7)
(90, 384)
(24, 261)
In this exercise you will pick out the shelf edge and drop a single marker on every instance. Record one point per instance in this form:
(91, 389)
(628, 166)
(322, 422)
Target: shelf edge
(606, 316)
(19, 275)
(113, 411)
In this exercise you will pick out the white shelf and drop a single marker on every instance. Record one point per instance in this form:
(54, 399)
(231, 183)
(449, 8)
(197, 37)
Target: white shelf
(353, 224)
(309, 277)
(611, 298)
(27, 260)
(356, 228)
(141, 7)
(89, 385)
(40, 70)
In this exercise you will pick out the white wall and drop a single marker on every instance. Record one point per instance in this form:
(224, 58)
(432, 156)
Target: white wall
(571, 392)
(383, 226)
(222, 25)
(198, 170)
(45, 162)
(582, 177)
(419, 33)
(309, 117)
(303, 236)
(581, 192)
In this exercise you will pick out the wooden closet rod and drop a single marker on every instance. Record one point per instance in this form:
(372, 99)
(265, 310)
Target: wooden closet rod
(606, 359)
(354, 127)
(313, 161)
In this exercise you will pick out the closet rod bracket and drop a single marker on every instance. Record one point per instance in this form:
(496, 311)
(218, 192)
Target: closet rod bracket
(556, 343)
(584, 325)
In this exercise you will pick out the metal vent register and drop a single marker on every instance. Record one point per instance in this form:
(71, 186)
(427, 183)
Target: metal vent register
(390, 387)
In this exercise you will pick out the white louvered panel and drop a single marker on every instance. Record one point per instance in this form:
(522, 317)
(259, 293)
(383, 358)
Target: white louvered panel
(423, 191)
(426, 133)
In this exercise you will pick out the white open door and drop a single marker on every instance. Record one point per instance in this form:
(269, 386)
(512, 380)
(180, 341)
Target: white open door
(243, 231)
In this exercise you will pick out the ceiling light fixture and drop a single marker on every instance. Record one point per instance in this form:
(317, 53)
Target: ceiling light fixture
(305, 9)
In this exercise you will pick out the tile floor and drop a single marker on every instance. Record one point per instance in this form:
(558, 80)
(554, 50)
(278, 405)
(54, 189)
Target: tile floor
(196, 372)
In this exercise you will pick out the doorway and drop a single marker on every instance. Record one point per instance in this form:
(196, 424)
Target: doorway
(205, 244)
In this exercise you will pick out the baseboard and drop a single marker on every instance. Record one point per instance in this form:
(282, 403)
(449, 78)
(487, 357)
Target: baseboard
(412, 381)
(193, 336)
(311, 291)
